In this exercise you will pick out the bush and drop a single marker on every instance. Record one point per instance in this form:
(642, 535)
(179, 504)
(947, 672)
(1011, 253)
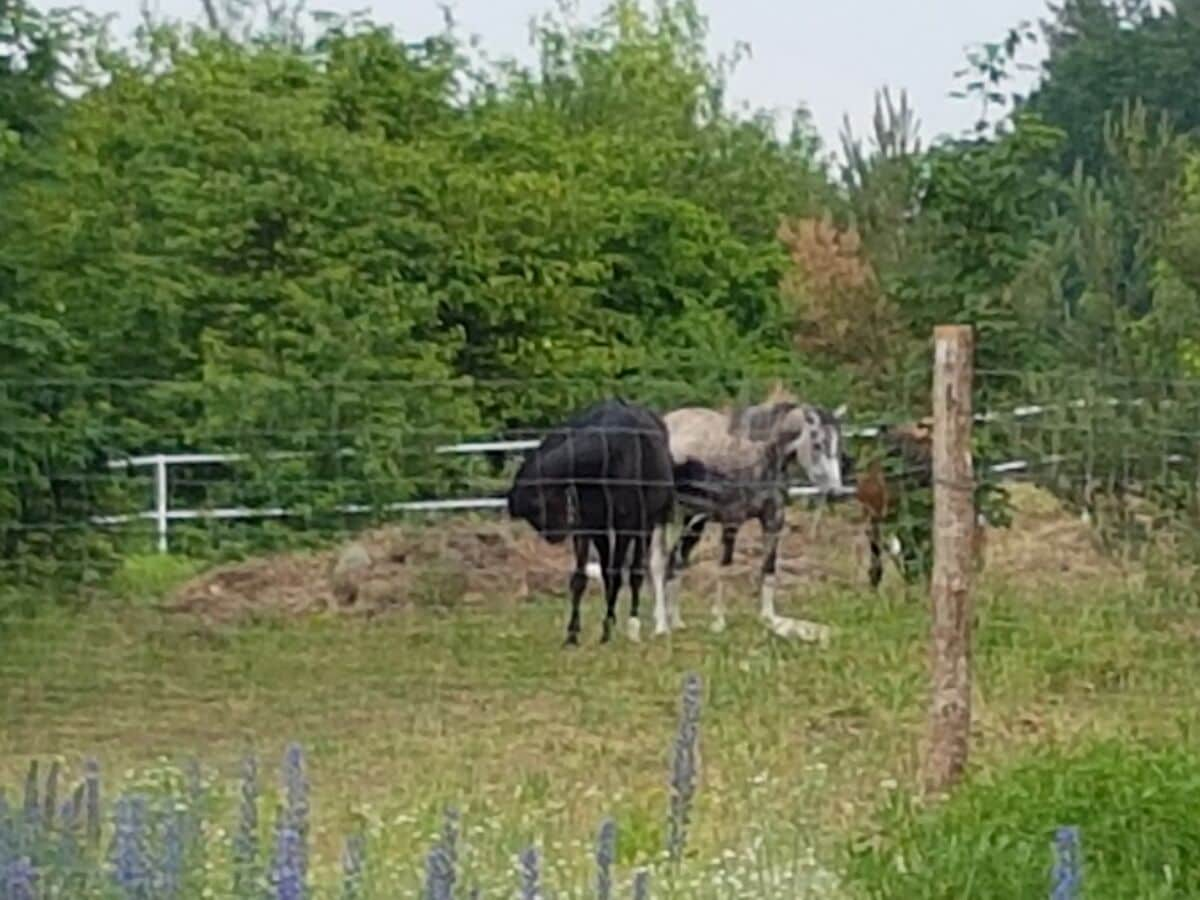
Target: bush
(1134, 805)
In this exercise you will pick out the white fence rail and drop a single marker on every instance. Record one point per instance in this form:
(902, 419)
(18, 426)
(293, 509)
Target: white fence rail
(162, 514)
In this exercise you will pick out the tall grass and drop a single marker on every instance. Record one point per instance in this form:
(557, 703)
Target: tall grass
(1130, 811)
(157, 840)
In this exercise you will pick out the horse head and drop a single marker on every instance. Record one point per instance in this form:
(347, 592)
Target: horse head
(812, 437)
(549, 506)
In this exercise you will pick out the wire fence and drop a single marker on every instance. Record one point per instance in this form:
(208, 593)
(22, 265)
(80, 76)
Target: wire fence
(81, 488)
(415, 475)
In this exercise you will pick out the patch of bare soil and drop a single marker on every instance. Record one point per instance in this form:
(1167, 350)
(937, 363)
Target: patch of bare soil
(1044, 544)
(450, 563)
(475, 562)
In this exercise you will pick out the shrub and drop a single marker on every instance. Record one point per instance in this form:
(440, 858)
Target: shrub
(1134, 806)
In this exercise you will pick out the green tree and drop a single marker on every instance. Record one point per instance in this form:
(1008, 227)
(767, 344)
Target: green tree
(1106, 53)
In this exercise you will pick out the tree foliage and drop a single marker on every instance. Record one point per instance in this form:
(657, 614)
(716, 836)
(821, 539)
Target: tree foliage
(244, 236)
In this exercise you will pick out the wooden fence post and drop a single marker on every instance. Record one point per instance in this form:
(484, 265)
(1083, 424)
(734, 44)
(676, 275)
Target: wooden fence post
(953, 533)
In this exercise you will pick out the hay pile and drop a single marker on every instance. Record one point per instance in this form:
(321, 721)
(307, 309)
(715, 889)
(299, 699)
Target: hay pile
(457, 562)
(452, 563)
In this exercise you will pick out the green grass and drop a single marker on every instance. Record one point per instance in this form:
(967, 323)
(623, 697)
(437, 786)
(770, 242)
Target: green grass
(801, 747)
(1135, 806)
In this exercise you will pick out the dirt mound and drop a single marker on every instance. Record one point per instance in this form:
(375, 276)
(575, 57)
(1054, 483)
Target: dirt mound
(451, 563)
(458, 561)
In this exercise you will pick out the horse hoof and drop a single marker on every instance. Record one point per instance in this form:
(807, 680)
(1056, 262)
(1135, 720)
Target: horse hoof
(717, 626)
(633, 630)
(808, 632)
(571, 641)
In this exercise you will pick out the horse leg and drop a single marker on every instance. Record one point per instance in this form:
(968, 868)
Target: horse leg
(612, 562)
(772, 527)
(728, 542)
(772, 524)
(874, 538)
(680, 559)
(636, 575)
(658, 572)
(578, 584)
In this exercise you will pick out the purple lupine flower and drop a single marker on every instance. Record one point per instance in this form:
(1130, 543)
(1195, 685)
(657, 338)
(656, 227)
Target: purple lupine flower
(245, 839)
(354, 856)
(20, 879)
(450, 830)
(92, 784)
(32, 807)
(531, 879)
(130, 867)
(78, 798)
(606, 854)
(50, 798)
(195, 805)
(68, 821)
(641, 885)
(296, 787)
(439, 874)
(68, 813)
(171, 862)
(1067, 875)
(683, 767)
(287, 877)
(68, 831)
(8, 831)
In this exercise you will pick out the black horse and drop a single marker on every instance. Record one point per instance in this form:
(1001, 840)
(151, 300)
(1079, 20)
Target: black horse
(604, 479)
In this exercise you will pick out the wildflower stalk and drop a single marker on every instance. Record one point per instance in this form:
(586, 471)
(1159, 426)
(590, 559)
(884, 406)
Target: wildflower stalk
(641, 885)
(606, 852)
(439, 874)
(245, 839)
(296, 787)
(450, 831)
(92, 785)
(683, 767)
(18, 879)
(78, 799)
(130, 870)
(32, 807)
(1067, 877)
(531, 880)
(50, 797)
(190, 834)
(8, 833)
(171, 865)
(353, 863)
(287, 878)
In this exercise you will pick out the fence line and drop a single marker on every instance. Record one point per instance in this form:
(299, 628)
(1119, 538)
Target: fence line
(162, 514)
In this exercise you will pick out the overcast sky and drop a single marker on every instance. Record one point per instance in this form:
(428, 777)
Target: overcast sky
(829, 54)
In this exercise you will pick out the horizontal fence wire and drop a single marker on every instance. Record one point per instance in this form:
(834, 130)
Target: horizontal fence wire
(1105, 437)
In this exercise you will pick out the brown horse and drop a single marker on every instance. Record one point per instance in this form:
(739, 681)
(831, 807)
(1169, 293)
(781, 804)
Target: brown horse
(911, 444)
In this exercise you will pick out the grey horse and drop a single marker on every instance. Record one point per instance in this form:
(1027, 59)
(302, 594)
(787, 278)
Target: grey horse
(737, 463)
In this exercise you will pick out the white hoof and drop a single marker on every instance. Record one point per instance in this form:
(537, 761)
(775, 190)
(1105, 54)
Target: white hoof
(809, 632)
(633, 630)
(660, 628)
(717, 626)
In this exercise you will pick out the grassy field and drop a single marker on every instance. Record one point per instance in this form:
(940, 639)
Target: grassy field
(403, 714)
